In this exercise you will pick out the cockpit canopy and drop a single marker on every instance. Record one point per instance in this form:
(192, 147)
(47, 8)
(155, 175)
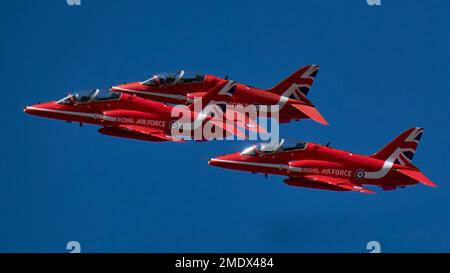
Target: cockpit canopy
(90, 96)
(170, 78)
(265, 148)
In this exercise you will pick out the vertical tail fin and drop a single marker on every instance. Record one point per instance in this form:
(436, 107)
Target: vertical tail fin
(297, 85)
(401, 150)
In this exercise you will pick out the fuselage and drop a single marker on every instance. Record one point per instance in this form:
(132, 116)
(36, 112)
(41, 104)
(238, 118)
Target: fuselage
(119, 110)
(315, 159)
(239, 95)
(106, 112)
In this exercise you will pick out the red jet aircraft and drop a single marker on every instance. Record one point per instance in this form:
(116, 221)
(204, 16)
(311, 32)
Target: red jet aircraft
(127, 115)
(182, 87)
(315, 166)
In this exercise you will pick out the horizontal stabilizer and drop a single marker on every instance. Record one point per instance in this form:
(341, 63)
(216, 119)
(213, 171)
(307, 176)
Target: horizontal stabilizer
(417, 175)
(311, 112)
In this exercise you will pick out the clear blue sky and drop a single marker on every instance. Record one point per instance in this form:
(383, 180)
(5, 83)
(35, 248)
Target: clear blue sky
(383, 69)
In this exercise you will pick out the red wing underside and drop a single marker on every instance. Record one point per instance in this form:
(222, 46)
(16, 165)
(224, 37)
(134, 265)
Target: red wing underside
(311, 112)
(338, 182)
(151, 132)
(417, 175)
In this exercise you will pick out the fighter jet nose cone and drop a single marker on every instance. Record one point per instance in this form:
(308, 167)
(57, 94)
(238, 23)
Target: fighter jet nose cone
(213, 162)
(29, 109)
(39, 109)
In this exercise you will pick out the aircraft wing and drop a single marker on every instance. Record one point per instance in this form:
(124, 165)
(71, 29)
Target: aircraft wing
(156, 133)
(338, 182)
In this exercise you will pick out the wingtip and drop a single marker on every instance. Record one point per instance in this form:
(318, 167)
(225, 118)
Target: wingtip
(429, 184)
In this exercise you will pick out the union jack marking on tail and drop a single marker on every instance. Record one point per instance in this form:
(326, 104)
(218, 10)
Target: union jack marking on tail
(408, 148)
(399, 151)
(300, 88)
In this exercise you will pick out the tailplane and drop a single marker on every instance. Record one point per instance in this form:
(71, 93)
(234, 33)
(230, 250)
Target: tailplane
(311, 112)
(417, 175)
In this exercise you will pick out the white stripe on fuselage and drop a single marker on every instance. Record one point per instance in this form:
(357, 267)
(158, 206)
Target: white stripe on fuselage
(269, 165)
(387, 166)
(81, 114)
(258, 164)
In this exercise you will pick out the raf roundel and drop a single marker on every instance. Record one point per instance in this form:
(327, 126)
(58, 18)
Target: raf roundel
(360, 174)
(175, 125)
